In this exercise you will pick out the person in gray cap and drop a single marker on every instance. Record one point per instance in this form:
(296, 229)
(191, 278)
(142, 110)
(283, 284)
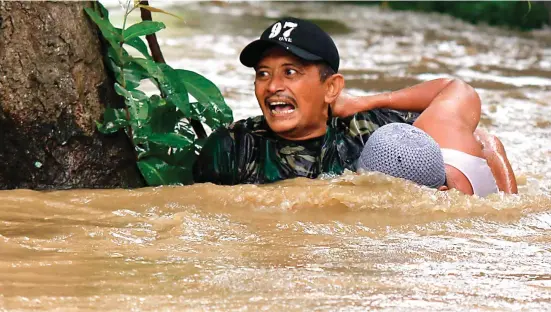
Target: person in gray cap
(307, 126)
(404, 151)
(452, 153)
(407, 152)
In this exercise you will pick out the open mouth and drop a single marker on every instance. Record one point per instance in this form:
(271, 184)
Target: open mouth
(281, 107)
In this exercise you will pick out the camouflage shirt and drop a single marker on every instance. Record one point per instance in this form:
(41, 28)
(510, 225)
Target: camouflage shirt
(249, 152)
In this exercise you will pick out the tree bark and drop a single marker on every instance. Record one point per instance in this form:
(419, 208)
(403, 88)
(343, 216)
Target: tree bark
(53, 87)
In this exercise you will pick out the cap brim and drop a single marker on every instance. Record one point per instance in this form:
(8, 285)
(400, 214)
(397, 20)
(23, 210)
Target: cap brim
(253, 52)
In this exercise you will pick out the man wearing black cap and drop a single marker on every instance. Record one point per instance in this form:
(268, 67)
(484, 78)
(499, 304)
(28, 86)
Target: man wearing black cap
(307, 127)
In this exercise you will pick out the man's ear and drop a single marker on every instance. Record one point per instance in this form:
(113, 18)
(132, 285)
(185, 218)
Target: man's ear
(334, 86)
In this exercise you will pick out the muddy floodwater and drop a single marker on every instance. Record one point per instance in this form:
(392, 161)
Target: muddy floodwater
(347, 243)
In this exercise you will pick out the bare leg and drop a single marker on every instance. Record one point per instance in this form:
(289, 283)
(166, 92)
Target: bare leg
(495, 155)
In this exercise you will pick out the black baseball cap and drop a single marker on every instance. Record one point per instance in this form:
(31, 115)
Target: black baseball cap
(302, 38)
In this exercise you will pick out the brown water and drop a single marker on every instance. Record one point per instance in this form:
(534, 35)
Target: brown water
(346, 243)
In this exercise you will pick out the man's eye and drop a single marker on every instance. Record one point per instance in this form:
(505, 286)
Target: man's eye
(261, 74)
(290, 71)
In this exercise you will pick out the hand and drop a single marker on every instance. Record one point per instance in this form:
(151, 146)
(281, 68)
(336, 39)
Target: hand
(346, 105)
(341, 107)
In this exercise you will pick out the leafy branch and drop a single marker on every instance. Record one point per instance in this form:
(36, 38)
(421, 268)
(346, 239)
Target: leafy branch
(166, 130)
(157, 54)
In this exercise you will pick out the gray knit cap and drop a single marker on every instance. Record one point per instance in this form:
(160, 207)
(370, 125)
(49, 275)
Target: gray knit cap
(404, 151)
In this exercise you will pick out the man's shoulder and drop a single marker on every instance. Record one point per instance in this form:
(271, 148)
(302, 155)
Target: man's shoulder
(378, 117)
(361, 125)
(385, 115)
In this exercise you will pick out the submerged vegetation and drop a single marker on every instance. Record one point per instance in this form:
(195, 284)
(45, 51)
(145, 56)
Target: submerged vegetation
(163, 128)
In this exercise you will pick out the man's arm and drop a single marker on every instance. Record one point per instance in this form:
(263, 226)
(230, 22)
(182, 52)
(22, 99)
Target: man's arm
(414, 99)
(451, 110)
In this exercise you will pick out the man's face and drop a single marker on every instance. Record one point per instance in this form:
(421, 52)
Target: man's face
(291, 95)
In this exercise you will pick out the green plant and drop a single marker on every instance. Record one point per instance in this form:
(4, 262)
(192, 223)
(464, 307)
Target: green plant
(159, 126)
(522, 15)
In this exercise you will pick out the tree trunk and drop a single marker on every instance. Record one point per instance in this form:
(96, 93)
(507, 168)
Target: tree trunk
(53, 87)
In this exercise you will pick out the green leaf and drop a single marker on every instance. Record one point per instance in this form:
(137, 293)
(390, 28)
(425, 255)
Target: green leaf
(159, 151)
(157, 172)
(113, 120)
(152, 68)
(141, 132)
(142, 29)
(111, 126)
(184, 128)
(104, 12)
(137, 104)
(108, 31)
(139, 45)
(211, 107)
(112, 114)
(122, 91)
(113, 66)
(164, 117)
(171, 139)
(133, 75)
(139, 95)
(157, 101)
(180, 157)
(183, 157)
(175, 90)
(136, 43)
(114, 56)
(139, 111)
(169, 83)
(200, 87)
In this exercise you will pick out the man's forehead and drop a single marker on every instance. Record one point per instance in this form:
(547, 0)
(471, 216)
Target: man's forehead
(280, 53)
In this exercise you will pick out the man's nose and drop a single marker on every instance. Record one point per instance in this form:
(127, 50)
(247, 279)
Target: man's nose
(276, 84)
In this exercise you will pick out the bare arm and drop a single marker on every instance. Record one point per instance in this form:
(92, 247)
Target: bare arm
(414, 99)
(495, 155)
(452, 117)
(450, 110)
